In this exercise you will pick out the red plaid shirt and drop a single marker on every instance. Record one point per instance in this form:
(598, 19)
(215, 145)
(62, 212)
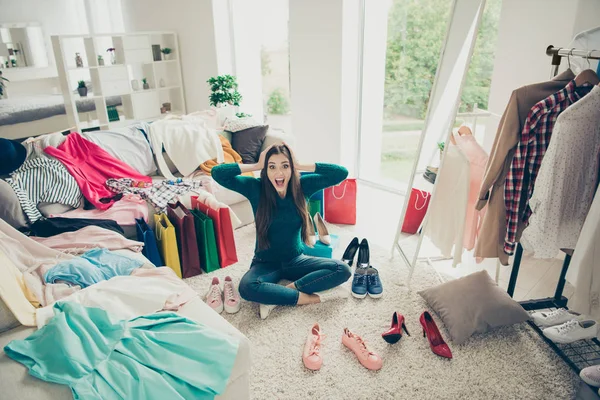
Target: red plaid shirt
(526, 163)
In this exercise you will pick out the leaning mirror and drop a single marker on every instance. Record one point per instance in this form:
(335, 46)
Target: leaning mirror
(441, 113)
(22, 45)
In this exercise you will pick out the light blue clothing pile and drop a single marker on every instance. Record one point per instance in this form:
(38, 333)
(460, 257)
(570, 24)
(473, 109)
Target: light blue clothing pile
(93, 266)
(158, 356)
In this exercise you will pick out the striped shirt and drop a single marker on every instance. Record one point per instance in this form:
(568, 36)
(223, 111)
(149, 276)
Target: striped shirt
(43, 180)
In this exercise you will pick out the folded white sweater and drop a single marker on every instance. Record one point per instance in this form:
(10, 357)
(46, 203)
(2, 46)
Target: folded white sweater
(188, 142)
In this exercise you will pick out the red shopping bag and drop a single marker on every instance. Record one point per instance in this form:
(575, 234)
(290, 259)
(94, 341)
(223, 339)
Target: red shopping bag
(340, 203)
(183, 221)
(223, 232)
(415, 210)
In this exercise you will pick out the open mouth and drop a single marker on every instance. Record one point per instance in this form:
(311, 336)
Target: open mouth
(279, 183)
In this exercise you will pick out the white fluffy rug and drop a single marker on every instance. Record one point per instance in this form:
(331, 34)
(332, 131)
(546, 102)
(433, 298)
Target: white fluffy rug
(509, 363)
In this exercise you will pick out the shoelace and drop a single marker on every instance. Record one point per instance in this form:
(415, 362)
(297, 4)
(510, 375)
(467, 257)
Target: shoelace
(374, 279)
(555, 313)
(568, 326)
(316, 345)
(365, 348)
(214, 293)
(229, 290)
(360, 279)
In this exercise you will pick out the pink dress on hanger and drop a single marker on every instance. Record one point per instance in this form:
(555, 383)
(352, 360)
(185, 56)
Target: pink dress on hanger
(91, 166)
(477, 159)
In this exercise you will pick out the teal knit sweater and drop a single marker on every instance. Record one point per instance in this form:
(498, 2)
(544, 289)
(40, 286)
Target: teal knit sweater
(286, 226)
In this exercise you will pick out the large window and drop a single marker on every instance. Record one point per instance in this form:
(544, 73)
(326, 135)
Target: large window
(398, 79)
(275, 64)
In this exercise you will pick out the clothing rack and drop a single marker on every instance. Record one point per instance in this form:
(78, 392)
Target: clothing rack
(558, 301)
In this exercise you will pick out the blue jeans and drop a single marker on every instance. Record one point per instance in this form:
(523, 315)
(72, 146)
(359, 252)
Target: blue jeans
(310, 274)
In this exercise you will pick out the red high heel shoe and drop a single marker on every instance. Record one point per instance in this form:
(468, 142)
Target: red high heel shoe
(394, 334)
(436, 341)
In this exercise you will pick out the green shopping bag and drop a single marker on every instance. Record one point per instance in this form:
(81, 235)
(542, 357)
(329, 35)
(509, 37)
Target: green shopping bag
(315, 206)
(207, 244)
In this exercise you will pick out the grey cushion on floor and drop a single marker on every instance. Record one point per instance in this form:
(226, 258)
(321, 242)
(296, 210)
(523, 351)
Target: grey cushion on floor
(473, 304)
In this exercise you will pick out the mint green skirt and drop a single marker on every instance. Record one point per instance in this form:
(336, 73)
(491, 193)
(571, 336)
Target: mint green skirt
(158, 356)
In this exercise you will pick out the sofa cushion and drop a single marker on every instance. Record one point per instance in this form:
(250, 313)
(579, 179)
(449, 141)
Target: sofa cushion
(7, 318)
(235, 124)
(10, 208)
(248, 143)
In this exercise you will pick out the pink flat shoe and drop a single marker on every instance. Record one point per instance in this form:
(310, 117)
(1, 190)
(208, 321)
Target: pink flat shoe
(366, 357)
(231, 296)
(312, 349)
(214, 297)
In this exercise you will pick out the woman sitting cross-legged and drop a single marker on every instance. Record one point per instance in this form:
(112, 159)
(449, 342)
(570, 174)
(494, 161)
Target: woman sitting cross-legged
(278, 200)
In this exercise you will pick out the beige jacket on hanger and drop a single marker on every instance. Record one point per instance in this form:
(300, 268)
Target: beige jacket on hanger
(490, 243)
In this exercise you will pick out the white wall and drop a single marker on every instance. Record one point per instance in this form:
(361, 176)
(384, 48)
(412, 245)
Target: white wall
(522, 40)
(193, 22)
(247, 43)
(316, 82)
(57, 17)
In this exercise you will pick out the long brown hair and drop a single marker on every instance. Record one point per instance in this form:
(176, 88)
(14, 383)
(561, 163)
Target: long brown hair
(268, 199)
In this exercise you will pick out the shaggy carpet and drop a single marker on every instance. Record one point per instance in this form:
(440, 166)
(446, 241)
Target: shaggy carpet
(508, 363)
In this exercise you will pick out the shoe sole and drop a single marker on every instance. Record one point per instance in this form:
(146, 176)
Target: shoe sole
(232, 310)
(392, 339)
(376, 296)
(589, 382)
(218, 310)
(359, 296)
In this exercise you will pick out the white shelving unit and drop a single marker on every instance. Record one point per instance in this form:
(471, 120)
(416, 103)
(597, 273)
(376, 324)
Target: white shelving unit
(133, 60)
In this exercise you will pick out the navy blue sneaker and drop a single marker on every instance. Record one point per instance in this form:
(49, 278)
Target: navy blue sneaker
(374, 286)
(359, 283)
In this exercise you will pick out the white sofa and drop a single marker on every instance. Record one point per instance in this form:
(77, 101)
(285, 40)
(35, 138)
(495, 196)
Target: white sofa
(16, 383)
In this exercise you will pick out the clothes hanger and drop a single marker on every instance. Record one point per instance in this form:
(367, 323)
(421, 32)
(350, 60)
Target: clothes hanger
(465, 131)
(587, 75)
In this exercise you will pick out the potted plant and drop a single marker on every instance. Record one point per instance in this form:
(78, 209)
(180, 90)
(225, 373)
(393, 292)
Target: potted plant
(81, 88)
(100, 60)
(224, 97)
(167, 52)
(441, 148)
(145, 84)
(111, 50)
(3, 94)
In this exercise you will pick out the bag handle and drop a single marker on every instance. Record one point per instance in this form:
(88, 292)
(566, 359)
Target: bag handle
(343, 193)
(424, 200)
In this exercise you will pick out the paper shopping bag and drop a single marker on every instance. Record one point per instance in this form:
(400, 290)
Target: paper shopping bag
(207, 244)
(167, 242)
(340, 203)
(416, 210)
(223, 231)
(183, 221)
(145, 234)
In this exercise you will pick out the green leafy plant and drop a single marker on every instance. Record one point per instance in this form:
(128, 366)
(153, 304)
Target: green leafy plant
(242, 115)
(166, 50)
(81, 84)
(278, 102)
(144, 81)
(2, 84)
(441, 146)
(100, 58)
(224, 91)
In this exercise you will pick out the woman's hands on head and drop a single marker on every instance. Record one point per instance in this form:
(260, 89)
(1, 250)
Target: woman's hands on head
(262, 158)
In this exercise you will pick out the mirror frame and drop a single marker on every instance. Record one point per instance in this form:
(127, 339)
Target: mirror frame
(12, 25)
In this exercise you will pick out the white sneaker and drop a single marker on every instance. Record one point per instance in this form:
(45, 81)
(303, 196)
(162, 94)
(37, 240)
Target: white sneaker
(572, 331)
(265, 310)
(333, 294)
(591, 375)
(556, 317)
